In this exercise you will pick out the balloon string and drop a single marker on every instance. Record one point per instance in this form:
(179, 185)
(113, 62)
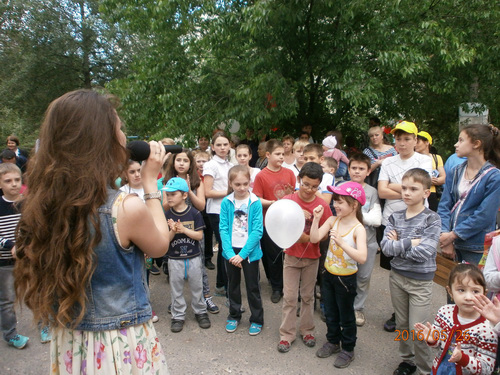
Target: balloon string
(298, 258)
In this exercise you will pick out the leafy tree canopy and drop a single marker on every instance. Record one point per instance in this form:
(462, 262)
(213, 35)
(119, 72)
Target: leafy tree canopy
(47, 48)
(281, 64)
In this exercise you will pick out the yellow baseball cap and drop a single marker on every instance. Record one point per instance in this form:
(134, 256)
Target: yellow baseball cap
(407, 127)
(426, 136)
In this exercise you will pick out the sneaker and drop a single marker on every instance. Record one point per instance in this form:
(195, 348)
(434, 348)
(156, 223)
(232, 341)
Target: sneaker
(164, 267)
(220, 291)
(203, 320)
(405, 369)
(169, 309)
(231, 325)
(212, 308)
(209, 264)
(154, 271)
(155, 318)
(45, 335)
(176, 325)
(309, 340)
(254, 329)
(276, 296)
(18, 342)
(390, 325)
(360, 318)
(344, 359)
(284, 346)
(327, 350)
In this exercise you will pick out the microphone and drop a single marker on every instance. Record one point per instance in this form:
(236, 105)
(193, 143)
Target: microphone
(140, 150)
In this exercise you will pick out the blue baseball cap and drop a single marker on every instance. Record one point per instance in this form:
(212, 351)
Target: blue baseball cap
(176, 184)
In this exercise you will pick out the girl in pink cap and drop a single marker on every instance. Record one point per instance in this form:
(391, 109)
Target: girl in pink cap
(347, 248)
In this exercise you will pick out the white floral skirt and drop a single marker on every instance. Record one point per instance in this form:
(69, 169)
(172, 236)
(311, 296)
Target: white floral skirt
(133, 350)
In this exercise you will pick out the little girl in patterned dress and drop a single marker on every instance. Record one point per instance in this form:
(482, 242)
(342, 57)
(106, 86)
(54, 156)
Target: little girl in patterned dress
(466, 342)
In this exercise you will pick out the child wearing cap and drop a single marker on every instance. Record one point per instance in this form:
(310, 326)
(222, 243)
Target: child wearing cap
(347, 248)
(389, 181)
(411, 238)
(184, 260)
(424, 147)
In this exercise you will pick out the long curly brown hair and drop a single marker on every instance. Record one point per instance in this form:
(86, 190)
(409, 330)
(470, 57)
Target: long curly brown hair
(79, 157)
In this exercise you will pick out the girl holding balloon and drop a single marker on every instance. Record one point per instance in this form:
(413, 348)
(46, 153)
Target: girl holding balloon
(241, 229)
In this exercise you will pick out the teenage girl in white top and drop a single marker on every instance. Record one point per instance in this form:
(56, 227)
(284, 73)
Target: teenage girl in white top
(215, 174)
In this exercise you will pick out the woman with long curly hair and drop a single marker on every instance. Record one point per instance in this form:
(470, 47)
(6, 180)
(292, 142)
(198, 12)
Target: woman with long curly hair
(81, 242)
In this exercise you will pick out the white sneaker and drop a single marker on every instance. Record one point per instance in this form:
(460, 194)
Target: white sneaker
(360, 318)
(155, 317)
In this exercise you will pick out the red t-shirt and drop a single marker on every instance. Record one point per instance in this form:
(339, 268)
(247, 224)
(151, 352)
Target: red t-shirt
(273, 186)
(307, 249)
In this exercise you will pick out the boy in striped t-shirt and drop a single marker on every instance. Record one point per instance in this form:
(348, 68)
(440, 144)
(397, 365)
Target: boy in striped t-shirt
(10, 183)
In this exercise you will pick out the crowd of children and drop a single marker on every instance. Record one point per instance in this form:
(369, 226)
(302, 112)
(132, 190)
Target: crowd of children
(349, 216)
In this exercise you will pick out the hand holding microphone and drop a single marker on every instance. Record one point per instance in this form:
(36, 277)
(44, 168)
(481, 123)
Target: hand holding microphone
(140, 150)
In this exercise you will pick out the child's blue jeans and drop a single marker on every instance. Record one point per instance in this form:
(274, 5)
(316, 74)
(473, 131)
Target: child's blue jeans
(8, 320)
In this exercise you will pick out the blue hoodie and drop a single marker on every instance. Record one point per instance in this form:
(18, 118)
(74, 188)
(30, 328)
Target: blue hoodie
(252, 249)
(478, 214)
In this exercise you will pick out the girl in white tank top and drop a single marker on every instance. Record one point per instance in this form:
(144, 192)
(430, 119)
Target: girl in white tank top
(347, 248)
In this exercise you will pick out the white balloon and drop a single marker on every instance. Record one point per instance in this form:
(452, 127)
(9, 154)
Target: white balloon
(234, 126)
(285, 222)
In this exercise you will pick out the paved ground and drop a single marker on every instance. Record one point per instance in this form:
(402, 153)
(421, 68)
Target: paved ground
(214, 351)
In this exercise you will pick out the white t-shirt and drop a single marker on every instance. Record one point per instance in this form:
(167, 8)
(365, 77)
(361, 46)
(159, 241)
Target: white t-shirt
(240, 223)
(327, 180)
(289, 166)
(218, 169)
(392, 170)
(128, 189)
(294, 169)
(253, 172)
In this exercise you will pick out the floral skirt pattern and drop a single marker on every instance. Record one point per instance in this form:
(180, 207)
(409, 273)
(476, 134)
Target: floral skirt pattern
(129, 351)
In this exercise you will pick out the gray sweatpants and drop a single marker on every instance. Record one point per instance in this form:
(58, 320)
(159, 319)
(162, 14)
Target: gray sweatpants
(180, 270)
(363, 277)
(411, 300)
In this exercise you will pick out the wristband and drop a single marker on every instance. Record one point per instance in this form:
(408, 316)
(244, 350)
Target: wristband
(155, 195)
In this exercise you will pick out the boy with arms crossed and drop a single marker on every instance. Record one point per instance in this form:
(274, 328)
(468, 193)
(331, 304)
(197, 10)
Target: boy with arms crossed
(411, 238)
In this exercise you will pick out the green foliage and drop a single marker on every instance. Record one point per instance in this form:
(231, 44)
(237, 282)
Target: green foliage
(286, 63)
(183, 68)
(49, 47)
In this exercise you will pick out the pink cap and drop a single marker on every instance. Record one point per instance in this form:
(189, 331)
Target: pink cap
(351, 188)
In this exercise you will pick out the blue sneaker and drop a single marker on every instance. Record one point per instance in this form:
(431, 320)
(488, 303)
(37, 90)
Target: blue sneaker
(231, 325)
(45, 335)
(18, 342)
(254, 329)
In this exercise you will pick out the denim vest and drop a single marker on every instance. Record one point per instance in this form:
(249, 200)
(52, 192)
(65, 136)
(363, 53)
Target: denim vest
(118, 295)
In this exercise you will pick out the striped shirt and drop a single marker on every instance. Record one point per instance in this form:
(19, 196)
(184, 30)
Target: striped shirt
(9, 217)
(416, 262)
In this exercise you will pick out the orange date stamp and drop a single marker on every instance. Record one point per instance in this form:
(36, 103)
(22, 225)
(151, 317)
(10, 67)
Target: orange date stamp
(434, 334)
